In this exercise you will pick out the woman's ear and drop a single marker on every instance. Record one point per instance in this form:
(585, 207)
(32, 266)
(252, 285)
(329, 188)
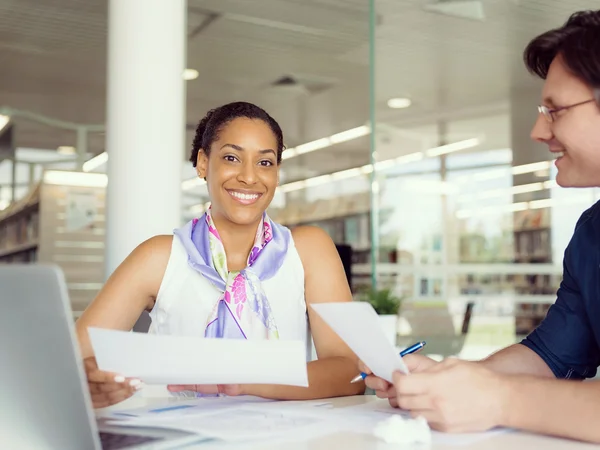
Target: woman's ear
(202, 164)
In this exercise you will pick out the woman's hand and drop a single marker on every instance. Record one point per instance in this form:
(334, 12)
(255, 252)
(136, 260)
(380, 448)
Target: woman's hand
(108, 388)
(231, 390)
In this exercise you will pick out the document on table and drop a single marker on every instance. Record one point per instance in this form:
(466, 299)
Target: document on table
(244, 423)
(157, 359)
(196, 406)
(357, 324)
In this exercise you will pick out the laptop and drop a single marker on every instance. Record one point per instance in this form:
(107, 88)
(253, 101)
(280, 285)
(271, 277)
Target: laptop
(44, 398)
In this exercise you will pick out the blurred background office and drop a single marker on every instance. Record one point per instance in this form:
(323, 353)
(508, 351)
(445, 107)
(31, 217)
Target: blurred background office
(407, 124)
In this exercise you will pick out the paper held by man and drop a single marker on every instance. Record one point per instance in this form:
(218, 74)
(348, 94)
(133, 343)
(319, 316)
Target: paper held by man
(358, 325)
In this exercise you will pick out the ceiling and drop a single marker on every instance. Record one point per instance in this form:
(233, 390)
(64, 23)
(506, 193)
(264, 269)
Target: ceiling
(53, 59)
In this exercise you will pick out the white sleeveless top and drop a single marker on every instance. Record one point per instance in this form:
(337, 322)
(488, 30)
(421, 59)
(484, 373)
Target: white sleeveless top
(186, 298)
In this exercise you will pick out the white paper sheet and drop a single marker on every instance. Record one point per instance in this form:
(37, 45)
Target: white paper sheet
(245, 423)
(364, 418)
(197, 406)
(156, 359)
(357, 324)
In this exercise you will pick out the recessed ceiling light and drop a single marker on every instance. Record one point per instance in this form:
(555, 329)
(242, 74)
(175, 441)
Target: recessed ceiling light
(66, 150)
(190, 74)
(3, 121)
(399, 103)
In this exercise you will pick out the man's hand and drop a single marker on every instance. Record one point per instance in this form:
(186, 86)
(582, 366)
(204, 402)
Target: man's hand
(454, 396)
(231, 390)
(383, 389)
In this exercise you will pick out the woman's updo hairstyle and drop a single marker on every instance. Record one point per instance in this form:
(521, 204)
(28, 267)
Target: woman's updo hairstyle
(214, 121)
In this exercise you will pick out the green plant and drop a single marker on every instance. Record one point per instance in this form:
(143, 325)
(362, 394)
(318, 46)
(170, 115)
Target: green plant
(383, 301)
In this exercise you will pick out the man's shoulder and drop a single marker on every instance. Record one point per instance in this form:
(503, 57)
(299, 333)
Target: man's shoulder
(590, 216)
(585, 242)
(588, 225)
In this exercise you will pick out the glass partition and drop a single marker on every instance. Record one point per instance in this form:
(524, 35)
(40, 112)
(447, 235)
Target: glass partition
(469, 224)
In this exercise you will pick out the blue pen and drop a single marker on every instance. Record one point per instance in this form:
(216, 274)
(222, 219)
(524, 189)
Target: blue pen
(407, 351)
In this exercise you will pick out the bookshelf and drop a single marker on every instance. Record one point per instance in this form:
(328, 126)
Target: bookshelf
(61, 222)
(345, 218)
(532, 245)
(19, 229)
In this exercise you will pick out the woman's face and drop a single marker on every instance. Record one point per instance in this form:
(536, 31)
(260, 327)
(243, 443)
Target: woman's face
(241, 171)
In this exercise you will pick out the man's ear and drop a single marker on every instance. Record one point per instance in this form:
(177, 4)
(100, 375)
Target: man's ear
(201, 164)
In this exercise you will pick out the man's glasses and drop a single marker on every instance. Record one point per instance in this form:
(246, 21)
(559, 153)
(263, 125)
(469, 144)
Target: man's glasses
(550, 114)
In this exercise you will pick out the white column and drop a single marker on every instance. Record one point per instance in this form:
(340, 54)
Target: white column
(145, 122)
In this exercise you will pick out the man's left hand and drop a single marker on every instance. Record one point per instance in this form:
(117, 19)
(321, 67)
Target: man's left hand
(454, 396)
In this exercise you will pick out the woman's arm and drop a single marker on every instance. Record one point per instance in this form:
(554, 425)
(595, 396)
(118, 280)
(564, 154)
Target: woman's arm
(325, 281)
(130, 290)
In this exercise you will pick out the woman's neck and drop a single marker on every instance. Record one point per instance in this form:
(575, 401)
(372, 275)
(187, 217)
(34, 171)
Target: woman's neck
(237, 240)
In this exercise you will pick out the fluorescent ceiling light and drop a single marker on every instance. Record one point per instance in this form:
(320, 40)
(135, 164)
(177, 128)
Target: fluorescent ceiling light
(348, 135)
(512, 207)
(366, 169)
(405, 159)
(95, 162)
(411, 157)
(316, 181)
(75, 178)
(102, 158)
(523, 206)
(380, 165)
(289, 153)
(66, 150)
(200, 208)
(399, 103)
(533, 167)
(350, 173)
(190, 74)
(318, 144)
(451, 148)
(4, 121)
(192, 183)
(544, 203)
(499, 173)
(513, 190)
(313, 145)
(294, 186)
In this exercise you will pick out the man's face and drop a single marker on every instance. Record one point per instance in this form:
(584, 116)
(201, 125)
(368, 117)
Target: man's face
(574, 134)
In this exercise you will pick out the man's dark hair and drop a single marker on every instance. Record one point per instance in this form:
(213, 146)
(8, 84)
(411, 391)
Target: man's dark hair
(214, 121)
(577, 41)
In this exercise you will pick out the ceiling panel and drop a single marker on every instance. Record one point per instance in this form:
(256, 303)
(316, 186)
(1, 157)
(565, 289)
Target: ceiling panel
(53, 57)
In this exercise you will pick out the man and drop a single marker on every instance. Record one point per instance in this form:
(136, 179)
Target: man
(531, 385)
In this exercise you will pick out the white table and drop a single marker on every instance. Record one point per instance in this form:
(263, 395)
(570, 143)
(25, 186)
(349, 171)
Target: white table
(358, 441)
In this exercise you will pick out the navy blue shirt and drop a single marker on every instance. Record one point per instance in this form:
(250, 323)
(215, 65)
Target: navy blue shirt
(568, 339)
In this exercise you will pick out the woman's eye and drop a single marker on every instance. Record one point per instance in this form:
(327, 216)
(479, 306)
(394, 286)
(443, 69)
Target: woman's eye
(230, 158)
(266, 163)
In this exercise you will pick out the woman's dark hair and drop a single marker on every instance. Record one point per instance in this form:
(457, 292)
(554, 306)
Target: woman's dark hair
(214, 121)
(577, 41)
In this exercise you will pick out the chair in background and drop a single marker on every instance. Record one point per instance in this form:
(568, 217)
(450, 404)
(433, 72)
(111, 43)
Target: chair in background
(434, 325)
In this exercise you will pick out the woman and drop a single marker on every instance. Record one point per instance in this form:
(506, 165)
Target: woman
(233, 273)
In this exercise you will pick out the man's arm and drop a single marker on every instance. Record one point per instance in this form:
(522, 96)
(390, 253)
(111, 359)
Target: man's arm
(562, 408)
(517, 360)
(564, 344)
(480, 399)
